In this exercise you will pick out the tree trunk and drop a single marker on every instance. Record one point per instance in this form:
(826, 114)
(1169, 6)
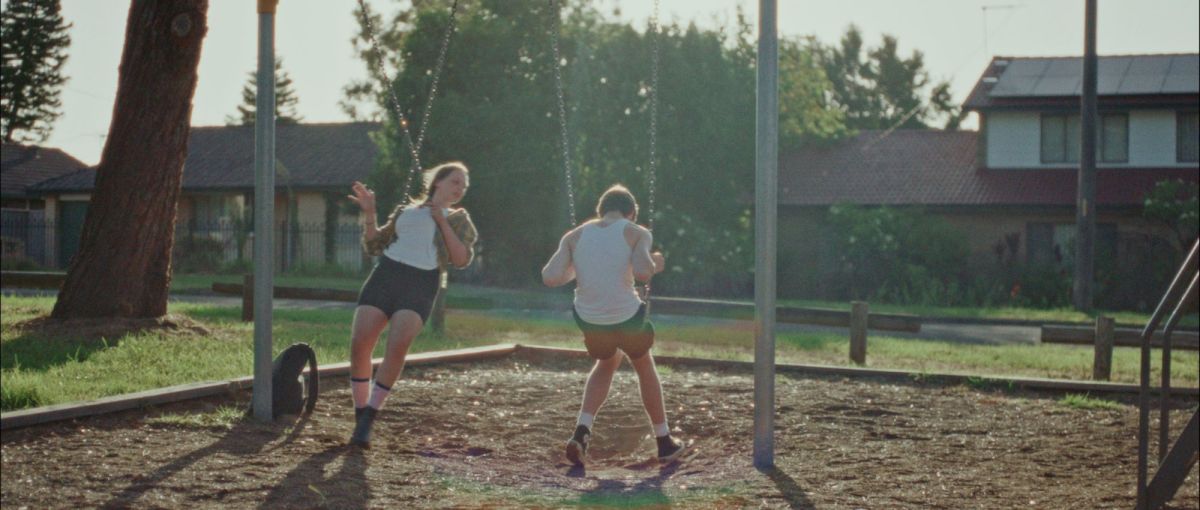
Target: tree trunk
(124, 260)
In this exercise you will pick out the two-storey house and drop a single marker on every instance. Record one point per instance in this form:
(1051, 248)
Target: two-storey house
(1011, 184)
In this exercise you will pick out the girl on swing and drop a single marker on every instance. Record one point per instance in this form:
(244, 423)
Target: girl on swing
(417, 243)
(604, 256)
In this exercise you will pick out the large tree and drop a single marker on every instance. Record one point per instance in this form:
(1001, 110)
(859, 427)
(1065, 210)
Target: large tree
(123, 265)
(497, 110)
(877, 88)
(33, 49)
(285, 100)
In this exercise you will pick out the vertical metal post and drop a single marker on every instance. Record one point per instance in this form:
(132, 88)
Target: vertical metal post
(765, 205)
(264, 208)
(1085, 209)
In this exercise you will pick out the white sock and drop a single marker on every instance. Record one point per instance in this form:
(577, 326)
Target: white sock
(379, 393)
(661, 429)
(586, 420)
(360, 389)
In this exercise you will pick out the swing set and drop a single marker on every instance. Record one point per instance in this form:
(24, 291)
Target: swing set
(765, 185)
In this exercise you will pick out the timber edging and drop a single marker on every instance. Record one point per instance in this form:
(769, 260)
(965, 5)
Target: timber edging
(61, 412)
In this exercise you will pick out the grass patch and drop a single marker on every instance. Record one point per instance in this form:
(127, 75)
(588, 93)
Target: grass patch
(223, 417)
(37, 370)
(1087, 402)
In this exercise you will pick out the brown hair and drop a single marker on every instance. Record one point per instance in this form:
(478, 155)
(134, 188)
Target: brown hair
(617, 198)
(439, 173)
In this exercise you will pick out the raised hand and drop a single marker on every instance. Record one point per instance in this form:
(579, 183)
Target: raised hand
(660, 262)
(363, 196)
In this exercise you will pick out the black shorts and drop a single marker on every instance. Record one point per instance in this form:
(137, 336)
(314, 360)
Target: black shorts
(394, 286)
(634, 337)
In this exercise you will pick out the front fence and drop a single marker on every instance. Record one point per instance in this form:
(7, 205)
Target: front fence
(32, 243)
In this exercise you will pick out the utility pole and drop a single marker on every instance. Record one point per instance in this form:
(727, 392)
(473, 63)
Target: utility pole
(1085, 207)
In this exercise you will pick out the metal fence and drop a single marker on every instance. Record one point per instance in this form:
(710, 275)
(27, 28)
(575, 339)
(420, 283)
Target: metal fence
(31, 242)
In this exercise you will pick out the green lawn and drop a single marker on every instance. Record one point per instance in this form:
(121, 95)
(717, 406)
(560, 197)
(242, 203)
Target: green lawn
(540, 298)
(36, 370)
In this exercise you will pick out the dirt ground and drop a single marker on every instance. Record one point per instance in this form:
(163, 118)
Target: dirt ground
(490, 435)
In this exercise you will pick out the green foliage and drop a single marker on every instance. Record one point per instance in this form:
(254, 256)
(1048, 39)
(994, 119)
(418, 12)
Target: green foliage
(223, 417)
(1174, 203)
(198, 254)
(1088, 402)
(33, 50)
(497, 112)
(285, 100)
(898, 256)
(881, 89)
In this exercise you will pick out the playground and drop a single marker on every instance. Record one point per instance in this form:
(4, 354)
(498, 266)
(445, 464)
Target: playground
(489, 434)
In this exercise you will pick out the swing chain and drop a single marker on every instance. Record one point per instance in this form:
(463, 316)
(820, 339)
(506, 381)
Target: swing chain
(653, 113)
(562, 112)
(381, 74)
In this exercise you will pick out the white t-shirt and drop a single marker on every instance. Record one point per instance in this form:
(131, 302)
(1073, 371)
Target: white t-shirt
(414, 238)
(604, 292)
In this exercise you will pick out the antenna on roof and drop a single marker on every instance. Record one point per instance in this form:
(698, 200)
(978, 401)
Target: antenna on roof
(995, 7)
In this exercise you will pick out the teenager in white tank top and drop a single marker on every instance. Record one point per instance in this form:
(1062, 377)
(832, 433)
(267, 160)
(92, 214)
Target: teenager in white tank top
(604, 291)
(604, 256)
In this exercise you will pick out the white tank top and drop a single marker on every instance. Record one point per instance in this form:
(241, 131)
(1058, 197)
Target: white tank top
(604, 292)
(414, 239)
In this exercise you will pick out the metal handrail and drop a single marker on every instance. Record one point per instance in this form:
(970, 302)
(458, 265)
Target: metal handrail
(1187, 268)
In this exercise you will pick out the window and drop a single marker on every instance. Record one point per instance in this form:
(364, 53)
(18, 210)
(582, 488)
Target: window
(1187, 137)
(1061, 137)
(1114, 138)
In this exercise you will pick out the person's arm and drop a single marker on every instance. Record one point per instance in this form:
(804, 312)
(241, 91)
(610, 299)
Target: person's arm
(460, 255)
(644, 263)
(560, 269)
(365, 198)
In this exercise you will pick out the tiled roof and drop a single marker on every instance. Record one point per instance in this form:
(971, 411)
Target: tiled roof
(22, 166)
(1172, 79)
(940, 168)
(222, 158)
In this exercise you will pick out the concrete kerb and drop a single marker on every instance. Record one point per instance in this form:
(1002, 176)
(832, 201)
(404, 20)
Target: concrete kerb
(532, 353)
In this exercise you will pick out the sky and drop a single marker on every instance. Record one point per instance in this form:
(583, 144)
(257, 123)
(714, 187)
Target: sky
(313, 37)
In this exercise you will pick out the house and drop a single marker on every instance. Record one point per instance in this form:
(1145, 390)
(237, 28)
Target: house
(22, 212)
(1013, 182)
(315, 165)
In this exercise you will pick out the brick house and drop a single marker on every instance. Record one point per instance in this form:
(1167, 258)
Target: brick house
(1015, 178)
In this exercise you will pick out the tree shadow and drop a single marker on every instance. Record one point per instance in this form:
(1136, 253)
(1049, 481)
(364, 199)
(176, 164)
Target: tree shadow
(44, 342)
(791, 491)
(244, 439)
(347, 488)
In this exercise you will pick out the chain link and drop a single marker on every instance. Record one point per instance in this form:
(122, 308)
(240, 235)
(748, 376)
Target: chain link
(386, 80)
(653, 114)
(562, 112)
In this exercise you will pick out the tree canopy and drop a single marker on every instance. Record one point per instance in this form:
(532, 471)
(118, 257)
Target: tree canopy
(33, 50)
(285, 100)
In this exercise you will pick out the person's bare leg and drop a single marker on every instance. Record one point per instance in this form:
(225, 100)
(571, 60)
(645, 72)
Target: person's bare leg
(651, 389)
(364, 334)
(594, 394)
(669, 448)
(405, 325)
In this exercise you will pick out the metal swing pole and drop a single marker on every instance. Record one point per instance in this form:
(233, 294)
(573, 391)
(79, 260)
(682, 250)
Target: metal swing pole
(264, 208)
(765, 205)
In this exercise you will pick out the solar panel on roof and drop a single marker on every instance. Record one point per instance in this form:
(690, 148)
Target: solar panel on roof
(1126, 75)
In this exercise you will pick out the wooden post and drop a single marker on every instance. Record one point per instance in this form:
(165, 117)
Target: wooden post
(858, 332)
(1102, 366)
(437, 317)
(248, 297)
